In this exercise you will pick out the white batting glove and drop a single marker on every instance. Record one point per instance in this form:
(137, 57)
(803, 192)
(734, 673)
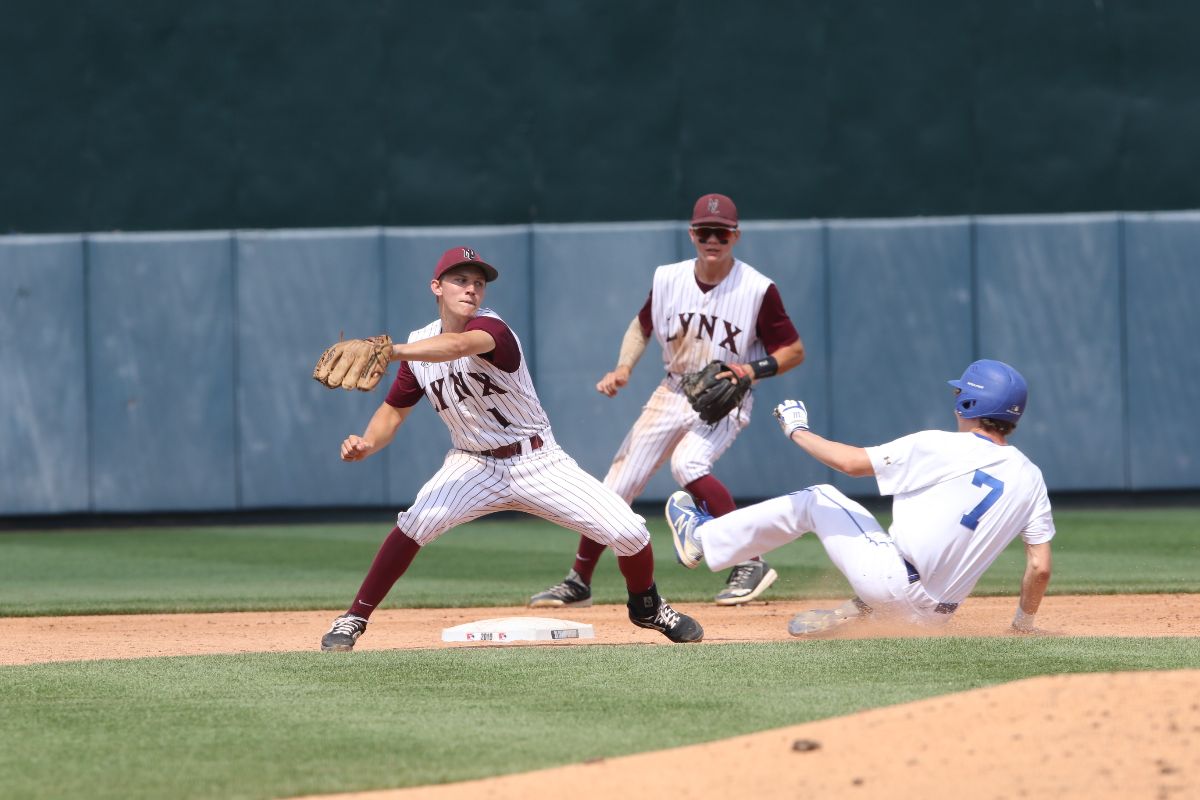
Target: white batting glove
(792, 416)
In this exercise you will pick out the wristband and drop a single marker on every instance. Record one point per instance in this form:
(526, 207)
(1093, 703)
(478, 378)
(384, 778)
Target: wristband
(764, 367)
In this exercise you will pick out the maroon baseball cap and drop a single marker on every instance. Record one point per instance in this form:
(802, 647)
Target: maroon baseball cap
(715, 209)
(457, 256)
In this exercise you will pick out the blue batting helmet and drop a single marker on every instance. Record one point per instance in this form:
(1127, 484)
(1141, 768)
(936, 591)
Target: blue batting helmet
(990, 389)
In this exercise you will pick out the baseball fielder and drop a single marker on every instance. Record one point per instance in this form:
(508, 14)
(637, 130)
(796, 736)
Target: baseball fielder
(711, 307)
(958, 500)
(471, 367)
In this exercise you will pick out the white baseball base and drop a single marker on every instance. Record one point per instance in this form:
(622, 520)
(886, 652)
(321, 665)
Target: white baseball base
(518, 629)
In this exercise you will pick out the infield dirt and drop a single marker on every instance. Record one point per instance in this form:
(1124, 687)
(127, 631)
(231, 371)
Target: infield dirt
(43, 639)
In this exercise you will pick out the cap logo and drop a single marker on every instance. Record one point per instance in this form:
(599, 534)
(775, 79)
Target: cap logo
(469, 254)
(714, 205)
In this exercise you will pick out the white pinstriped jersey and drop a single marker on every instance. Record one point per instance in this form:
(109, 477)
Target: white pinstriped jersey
(483, 406)
(695, 327)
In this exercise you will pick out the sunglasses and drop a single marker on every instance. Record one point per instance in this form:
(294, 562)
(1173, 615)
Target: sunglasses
(704, 234)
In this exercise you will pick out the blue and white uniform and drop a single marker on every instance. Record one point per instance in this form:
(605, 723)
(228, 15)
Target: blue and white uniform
(958, 500)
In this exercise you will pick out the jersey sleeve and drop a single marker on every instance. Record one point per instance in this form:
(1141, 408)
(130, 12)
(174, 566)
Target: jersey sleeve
(646, 317)
(406, 392)
(507, 353)
(1041, 522)
(774, 328)
(893, 463)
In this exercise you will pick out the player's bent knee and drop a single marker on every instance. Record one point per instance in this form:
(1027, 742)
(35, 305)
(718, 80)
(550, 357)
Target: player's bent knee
(631, 543)
(828, 492)
(686, 472)
(624, 542)
(422, 531)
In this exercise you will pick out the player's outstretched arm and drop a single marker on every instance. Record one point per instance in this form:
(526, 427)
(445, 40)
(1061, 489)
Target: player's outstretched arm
(793, 419)
(1038, 566)
(380, 431)
(445, 347)
(632, 347)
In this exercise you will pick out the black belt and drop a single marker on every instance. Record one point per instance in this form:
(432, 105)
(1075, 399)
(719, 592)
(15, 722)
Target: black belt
(514, 449)
(914, 576)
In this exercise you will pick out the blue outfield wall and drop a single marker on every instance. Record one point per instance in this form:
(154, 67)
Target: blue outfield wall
(160, 334)
(172, 372)
(297, 291)
(44, 375)
(1161, 290)
(1049, 292)
(900, 310)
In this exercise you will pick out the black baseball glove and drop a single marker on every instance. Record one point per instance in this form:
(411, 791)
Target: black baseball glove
(713, 398)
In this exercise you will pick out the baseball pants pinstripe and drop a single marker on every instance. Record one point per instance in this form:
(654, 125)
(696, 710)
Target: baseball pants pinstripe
(669, 428)
(545, 482)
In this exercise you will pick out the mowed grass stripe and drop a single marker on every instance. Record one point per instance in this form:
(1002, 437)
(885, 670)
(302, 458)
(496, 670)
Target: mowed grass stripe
(499, 562)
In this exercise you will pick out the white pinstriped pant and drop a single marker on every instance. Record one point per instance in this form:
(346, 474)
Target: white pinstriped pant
(669, 428)
(852, 537)
(545, 482)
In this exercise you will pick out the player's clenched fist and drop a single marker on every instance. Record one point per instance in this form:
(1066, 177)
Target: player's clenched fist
(355, 448)
(613, 382)
(792, 416)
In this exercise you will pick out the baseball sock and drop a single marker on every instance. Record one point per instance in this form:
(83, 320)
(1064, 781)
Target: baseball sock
(586, 558)
(638, 570)
(713, 494)
(393, 558)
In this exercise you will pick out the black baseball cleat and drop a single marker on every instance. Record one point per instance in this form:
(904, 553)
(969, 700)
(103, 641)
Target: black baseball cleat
(746, 581)
(572, 592)
(670, 623)
(344, 633)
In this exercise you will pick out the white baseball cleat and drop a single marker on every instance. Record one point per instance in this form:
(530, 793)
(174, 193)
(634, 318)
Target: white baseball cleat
(684, 518)
(822, 620)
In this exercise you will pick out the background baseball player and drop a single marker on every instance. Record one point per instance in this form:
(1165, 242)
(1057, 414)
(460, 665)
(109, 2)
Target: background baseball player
(958, 500)
(711, 307)
(471, 367)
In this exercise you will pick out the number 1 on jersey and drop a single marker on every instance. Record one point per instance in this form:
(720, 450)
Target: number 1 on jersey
(504, 423)
(996, 486)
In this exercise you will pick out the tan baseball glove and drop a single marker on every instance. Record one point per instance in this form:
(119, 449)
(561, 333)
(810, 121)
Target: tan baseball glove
(355, 363)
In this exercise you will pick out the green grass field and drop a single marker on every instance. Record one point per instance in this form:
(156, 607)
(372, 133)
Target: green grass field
(260, 726)
(499, 562)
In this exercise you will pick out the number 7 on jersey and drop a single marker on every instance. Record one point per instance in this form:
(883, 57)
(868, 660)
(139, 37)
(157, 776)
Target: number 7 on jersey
(996, 488)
